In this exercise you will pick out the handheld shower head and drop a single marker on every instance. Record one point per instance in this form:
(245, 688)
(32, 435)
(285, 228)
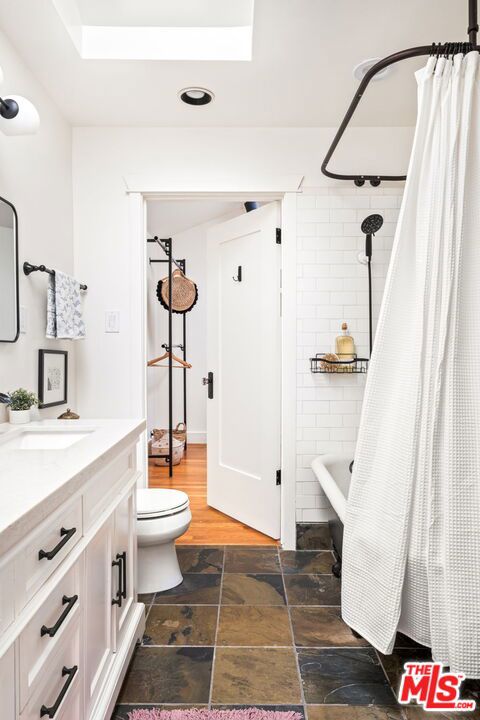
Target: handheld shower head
(372, 224)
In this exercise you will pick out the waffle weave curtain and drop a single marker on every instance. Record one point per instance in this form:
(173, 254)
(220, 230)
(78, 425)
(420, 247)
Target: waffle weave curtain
(412, 535)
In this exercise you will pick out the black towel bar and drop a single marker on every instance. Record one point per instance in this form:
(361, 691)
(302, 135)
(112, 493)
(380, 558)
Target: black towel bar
(29, 268)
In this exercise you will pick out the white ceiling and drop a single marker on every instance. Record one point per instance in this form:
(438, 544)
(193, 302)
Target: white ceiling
(301, 73)
(170, 217)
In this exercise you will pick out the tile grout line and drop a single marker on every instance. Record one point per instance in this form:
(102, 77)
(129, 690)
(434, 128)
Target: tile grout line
(147, 609)
(267, 647)
(295, 653)
(211, 604)
(385, 672)
(216, 630)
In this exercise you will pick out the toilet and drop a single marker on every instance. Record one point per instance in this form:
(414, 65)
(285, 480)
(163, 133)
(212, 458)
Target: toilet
(163, 515)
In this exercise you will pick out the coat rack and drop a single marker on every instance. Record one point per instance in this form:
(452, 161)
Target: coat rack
(167, 247)
(434, 49)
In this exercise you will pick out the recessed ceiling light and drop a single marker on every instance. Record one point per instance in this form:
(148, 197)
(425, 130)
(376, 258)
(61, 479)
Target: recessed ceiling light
(360, 70)
(196, 96)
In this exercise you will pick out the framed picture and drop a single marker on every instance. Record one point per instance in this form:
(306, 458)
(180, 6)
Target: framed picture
(52, 377)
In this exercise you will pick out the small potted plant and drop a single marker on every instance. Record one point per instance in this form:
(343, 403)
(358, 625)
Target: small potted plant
(19, 403)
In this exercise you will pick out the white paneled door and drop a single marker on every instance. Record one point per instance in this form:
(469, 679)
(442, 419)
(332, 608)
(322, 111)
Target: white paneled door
(243, 336)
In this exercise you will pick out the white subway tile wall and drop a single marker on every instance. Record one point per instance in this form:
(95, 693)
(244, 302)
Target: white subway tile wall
(332, 287)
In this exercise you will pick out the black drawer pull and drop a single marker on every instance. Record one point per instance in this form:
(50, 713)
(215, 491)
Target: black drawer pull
(117, 600)
(52, 631)
(123, 557)
(51, 711)
(50, 554)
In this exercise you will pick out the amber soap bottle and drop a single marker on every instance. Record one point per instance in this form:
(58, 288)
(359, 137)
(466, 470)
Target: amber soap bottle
(344, 345)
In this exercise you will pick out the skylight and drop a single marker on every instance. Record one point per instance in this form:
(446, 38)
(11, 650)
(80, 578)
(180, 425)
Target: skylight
(159, 29)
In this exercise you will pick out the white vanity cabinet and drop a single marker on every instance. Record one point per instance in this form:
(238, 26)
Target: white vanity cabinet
(7, 683)
(98, 612)
(69, 616)
(125, 552)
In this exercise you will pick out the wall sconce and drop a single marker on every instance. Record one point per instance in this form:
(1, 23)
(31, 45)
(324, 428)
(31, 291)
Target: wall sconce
(18, 116)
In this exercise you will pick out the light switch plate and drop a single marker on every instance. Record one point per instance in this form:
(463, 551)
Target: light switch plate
(23, 319)
(112, 321)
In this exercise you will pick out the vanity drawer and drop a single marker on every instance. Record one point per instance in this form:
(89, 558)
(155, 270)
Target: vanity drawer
(7, 603)
(46, 630)
(46, 547)
(58, 685)
(104, 486)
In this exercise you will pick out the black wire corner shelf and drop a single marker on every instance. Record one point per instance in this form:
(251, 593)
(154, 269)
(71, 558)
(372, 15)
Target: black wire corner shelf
(328, 363)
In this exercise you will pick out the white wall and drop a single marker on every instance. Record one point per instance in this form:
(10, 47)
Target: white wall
(326, 240)
(190, 245)
(36, 176)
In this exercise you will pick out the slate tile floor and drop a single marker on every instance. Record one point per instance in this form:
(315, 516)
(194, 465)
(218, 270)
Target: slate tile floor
(259, 626)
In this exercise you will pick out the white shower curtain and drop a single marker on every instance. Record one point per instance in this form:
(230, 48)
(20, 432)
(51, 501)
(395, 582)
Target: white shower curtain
(411, 556)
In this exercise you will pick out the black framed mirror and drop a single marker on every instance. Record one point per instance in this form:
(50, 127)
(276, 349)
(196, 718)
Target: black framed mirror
(9, 301)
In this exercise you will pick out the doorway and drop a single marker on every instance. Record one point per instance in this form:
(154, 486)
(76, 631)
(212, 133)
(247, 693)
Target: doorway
(233, 328)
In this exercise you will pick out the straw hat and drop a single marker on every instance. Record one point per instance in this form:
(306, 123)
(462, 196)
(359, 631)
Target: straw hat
(184, 292)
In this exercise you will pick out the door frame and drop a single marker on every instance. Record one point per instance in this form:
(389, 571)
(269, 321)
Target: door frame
(284, 190)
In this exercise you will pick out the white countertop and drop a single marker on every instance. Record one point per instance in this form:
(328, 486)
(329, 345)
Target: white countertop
(33, 483)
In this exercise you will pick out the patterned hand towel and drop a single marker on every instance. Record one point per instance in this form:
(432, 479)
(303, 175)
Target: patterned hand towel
(64, 312)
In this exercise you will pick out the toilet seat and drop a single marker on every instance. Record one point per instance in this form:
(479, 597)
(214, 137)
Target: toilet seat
(154, 503)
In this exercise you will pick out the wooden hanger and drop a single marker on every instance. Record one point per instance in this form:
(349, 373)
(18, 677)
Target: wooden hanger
(175, 358)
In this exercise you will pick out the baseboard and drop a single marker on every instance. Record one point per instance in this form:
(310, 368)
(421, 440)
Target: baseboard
(196, 437)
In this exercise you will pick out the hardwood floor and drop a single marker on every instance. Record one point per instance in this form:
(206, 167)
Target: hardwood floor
(209, 526)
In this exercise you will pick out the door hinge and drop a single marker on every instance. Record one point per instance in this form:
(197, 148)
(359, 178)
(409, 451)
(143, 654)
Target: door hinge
(279, 477)
(278, 236)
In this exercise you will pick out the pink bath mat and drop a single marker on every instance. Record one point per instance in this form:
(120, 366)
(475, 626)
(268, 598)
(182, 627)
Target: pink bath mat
(204, 714)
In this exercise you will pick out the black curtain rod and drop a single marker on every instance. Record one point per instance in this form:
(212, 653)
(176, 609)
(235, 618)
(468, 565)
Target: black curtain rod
(439, 49)
(29, 268)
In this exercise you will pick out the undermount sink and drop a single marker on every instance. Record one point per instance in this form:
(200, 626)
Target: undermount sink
(43, 439)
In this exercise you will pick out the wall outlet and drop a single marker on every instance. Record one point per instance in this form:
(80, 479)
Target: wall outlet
(23, 319)
(112, 321)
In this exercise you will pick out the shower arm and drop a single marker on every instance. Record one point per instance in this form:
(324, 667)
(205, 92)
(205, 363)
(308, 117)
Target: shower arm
(375, 180)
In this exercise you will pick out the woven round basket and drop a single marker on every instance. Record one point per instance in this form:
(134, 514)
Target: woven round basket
(184, 292)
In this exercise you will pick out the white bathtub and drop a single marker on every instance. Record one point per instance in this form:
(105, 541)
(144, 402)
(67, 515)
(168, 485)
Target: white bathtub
(333, 474)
